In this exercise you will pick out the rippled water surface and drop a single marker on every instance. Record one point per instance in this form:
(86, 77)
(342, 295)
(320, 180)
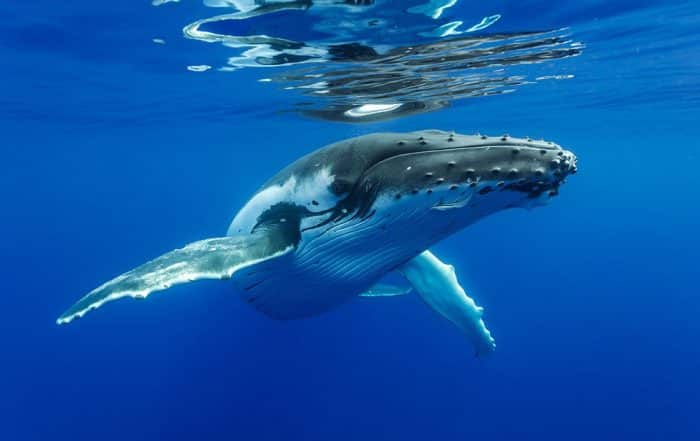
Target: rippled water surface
(351, 62)
(134, 127)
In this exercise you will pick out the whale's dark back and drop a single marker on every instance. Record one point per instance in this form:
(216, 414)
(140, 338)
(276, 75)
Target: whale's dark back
(350, 158)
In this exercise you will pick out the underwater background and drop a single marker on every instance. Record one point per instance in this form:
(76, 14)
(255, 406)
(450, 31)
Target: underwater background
(123, 136)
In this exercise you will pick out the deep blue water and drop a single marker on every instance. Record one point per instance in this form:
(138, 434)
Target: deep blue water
(113, 153)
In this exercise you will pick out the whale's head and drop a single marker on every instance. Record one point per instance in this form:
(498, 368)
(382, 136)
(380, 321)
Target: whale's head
(461, 178)
(429, 181)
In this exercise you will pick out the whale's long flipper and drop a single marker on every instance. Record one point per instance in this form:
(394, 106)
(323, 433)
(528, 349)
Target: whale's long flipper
(437, 285)
(216, 258)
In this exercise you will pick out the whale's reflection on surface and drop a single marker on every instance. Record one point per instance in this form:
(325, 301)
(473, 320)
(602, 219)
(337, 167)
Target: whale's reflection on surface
(362, 62)
(426, 77)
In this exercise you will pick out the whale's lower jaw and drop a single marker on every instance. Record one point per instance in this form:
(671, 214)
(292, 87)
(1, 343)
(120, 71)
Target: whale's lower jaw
(333, 265)
(326, 270)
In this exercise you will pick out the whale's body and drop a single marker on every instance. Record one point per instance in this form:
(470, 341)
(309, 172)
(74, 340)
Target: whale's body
(333, 223)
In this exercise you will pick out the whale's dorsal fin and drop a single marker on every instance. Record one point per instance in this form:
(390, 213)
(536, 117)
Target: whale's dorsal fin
(216, 258)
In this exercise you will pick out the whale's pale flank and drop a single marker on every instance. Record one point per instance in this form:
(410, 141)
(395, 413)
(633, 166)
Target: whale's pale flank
(334, 223)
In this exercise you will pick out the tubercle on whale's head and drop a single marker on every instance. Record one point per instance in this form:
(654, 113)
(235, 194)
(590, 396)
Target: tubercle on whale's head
(456, 171)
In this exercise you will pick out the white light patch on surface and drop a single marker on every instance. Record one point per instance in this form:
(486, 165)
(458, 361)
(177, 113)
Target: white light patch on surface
(555, 77)
(199, 68)
(371, 109)
(433, 9)
(485, 23)
(445, 30)
(249, 57)
(241, 5)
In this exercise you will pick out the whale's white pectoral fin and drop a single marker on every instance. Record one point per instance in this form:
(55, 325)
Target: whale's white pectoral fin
(216, 258)
(437, 285)
(386, 290)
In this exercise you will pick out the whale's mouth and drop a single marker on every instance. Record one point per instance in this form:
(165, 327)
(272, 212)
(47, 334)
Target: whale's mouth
(546, 179)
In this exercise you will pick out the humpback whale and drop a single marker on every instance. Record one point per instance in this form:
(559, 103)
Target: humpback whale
(331, 225)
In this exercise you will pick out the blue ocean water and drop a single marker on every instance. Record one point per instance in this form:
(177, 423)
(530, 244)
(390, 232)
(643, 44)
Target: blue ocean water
(113, 152)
